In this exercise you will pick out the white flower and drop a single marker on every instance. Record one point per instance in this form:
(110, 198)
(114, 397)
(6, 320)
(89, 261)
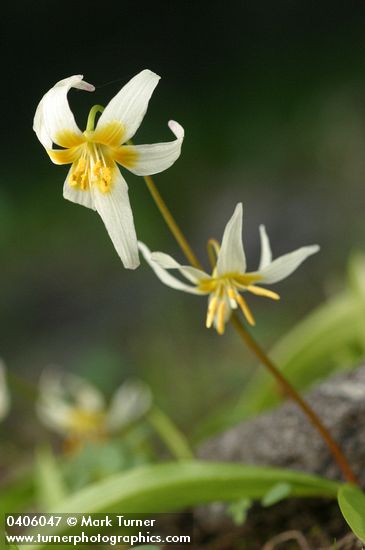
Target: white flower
(94, 179)
(4, 393)
(229, 277)
(77, 410)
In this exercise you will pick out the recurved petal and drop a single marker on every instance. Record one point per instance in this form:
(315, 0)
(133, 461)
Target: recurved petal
(53, 115)
(231, 257)
(283, 266)
(77, 195)
(163, 274)
(167, 262)
(151, 159)
(130, 105)
(116, 213)
(266, 255)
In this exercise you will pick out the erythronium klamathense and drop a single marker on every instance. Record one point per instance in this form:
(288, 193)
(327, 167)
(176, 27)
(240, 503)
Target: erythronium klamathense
(94, 179)
(229, 278)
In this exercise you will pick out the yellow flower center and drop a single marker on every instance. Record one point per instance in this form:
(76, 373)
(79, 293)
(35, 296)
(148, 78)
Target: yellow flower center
(225, 295)
(87, 424)
(93, 155)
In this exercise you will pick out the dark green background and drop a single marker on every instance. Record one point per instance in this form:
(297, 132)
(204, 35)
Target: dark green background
(272, 97)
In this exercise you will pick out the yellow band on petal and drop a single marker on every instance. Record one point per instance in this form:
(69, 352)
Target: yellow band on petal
(69, 139)
(126, 155)
(110, 134)
(64, 156)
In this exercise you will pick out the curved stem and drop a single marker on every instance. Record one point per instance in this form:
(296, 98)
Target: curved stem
(295, 396)
(169, 219)
(213, 248)
(173, 438)
(90, 125)
(312, 416)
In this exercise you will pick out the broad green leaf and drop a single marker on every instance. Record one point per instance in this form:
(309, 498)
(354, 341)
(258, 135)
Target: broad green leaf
(352, 505)
(175, 486)
(277, 493)
(49, 482)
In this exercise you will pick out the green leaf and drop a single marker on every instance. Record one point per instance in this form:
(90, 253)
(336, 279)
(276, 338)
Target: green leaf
(172, 486)
(50, 486)
(277, 493)
(352, 505)
(175, 486)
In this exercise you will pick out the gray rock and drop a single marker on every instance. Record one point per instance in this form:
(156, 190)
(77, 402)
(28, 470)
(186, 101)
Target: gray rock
(284, 437)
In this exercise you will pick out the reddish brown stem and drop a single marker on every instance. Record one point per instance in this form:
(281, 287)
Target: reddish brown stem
(295, 396)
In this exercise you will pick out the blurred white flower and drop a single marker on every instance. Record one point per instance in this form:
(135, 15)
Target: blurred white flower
(229, 277)
(77, 410)
(4, 392)
(94, 179)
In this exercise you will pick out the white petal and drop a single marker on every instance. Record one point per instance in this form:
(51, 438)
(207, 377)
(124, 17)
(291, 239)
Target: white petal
(4, 393)
(70, 389)
(131, 401)
(266, 255)
(62, 394)
(116, 213)
(73, 194)
(86, 396)
(130, 104)
(52, 407)
(285, 265)
(56, 416)
(231, 257)
(163, 274)
(152, 159)
(167, 262)
(53, 114)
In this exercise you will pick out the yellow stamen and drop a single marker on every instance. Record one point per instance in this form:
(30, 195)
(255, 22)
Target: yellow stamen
(259, 291)
(79, 176)
(103, 176)
(212, 308)
(232, 293)
(96, 168)
(220, 317)
(245, 309)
